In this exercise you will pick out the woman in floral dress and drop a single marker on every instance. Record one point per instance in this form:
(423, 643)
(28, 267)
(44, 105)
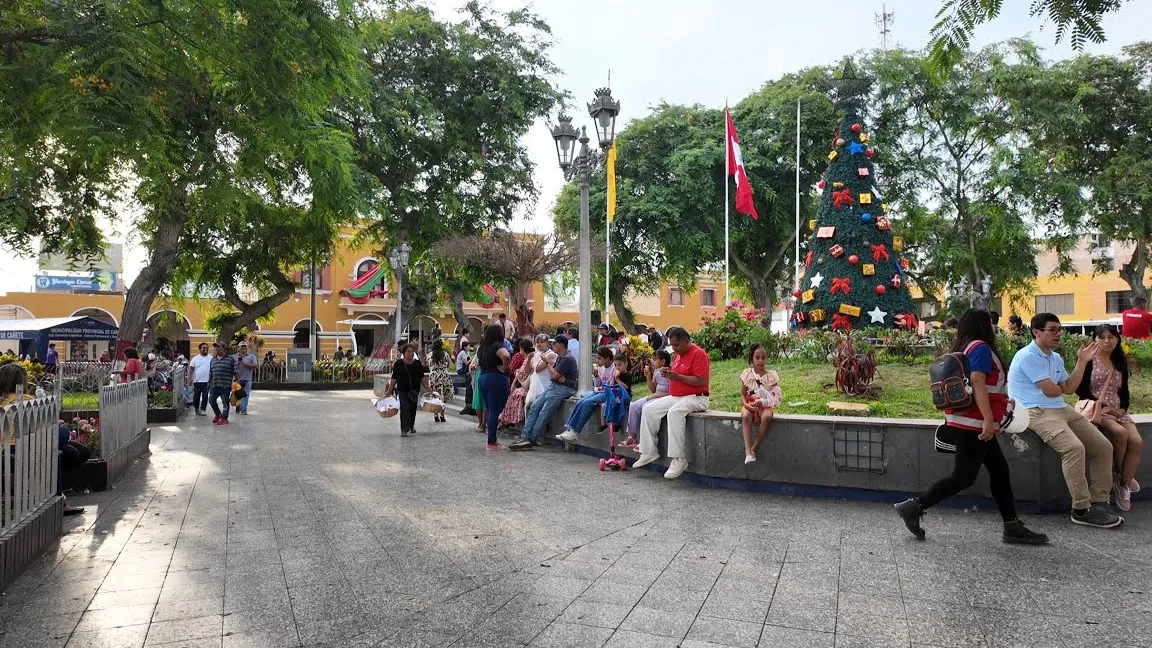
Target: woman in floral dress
(513, 413)
(440, 378)
(1106, 382)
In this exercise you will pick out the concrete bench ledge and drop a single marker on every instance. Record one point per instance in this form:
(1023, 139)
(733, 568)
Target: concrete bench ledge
(850, 457)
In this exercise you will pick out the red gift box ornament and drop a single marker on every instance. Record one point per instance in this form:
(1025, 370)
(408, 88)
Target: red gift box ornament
(906, 320)
(840, 321)
(836, 250)
(842, 197)
(882, 223)
(880, 253)
(841, 284)
(800, 317)
(897, 280)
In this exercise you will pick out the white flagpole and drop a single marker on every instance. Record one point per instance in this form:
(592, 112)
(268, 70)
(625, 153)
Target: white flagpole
(797, 286)
(727, 171)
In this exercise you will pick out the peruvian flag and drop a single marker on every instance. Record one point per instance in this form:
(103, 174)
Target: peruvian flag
(744, 203)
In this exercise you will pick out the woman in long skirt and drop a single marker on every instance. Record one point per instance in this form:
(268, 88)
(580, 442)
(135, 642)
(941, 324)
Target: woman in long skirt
(513, 413)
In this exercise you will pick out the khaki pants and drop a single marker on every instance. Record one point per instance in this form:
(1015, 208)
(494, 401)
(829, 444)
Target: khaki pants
(677, 409)
(1076, 439)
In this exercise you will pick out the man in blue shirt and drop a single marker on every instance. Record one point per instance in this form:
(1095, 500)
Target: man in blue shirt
(1039, 381)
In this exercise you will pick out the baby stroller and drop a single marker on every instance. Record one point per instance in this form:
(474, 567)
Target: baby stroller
(616, 403)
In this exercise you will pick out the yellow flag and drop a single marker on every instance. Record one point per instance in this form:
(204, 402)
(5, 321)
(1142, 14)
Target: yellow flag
(612, 183)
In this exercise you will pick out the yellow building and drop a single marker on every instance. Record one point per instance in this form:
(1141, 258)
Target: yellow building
(1082, 299)
(341, 322)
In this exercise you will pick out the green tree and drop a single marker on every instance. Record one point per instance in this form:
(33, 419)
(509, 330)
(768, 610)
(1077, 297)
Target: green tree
(184, 111)
(854, 278)
(957, 21)
(964, 186)
(438, 137)
(1088, 118)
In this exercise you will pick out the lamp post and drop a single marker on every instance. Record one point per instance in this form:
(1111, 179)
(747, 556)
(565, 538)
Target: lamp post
(603, 110)
(399, 259)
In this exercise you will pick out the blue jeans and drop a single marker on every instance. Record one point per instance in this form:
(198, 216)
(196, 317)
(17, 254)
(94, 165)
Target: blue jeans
(247, 385)
(543, 408)
(223, 393)
(494, 392)
(584, 410)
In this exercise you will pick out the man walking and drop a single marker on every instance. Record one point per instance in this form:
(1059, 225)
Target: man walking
(198, 374)
(245, 365)
(565, 376)
(1038, 380)
(221, 375)
(51, 359)
(687, 392)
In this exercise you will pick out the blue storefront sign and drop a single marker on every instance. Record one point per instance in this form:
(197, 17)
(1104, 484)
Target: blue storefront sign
(102, 280)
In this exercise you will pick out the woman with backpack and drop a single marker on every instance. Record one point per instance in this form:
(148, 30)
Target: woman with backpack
(973, 431)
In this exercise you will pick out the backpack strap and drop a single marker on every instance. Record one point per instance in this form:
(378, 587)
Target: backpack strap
(1001, 384)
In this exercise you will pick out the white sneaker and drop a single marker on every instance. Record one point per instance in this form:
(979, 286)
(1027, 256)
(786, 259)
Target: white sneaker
(644, 460)
(748, 459)
(676, 468)
(569, 436)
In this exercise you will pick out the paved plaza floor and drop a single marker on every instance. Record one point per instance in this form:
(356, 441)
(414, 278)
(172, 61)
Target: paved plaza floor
(313, 523)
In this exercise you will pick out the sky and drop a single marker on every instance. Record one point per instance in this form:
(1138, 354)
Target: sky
(687, 51)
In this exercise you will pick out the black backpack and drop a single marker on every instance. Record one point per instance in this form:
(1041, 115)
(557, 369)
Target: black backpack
(951, 381)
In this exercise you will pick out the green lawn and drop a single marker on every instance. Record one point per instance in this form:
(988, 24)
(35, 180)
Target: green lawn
(74, 401)
(903, 394)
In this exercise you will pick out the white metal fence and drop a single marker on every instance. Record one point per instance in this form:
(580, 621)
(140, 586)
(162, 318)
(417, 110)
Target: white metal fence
(177, 384)
(123, 414)
(29, 431)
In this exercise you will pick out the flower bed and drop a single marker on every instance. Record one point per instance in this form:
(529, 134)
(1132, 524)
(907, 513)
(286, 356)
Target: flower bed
(85, 431)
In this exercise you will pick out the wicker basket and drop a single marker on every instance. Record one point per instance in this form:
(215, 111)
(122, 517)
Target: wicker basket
(433, 404)
(386, 407)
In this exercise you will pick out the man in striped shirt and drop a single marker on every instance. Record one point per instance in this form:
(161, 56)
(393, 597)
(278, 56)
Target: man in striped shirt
(221, 375)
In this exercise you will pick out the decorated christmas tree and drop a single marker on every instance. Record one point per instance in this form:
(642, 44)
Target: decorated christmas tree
(854, 272)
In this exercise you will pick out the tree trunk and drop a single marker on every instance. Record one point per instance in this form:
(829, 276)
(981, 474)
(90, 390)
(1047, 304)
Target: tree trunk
(143, 291)
(249, 313)
(1133, 272)
(623, 313)
(458, 313)
(524, 323)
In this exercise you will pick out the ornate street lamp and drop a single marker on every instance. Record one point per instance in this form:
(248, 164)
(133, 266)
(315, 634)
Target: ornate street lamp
(581, 164)
(399, 259)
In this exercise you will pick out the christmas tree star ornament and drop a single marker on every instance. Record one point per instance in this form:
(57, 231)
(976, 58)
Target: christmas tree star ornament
(877, 315)
(842, 198)
(817, 279)
(855, 148)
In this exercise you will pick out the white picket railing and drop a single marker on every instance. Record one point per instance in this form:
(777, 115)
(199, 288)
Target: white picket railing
(123, 414)
(29, 431)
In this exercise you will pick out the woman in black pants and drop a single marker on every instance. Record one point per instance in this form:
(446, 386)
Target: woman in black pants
(973, 431)
(409, 376)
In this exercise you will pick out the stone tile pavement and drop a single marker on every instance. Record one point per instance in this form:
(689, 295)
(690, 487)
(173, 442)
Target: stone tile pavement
(313, 523)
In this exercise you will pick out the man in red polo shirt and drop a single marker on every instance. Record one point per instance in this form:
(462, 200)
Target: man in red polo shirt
(687, 392)
(1136, 322)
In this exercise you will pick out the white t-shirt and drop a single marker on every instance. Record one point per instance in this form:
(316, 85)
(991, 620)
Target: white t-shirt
(201, 366)
(543, 378)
